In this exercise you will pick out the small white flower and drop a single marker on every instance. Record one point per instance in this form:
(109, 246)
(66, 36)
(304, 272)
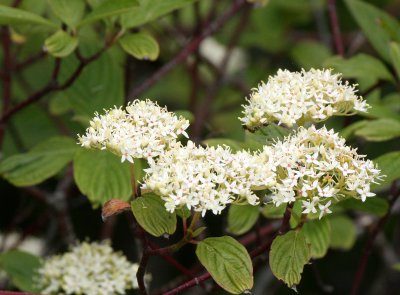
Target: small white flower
(324, 209)
(365, 193)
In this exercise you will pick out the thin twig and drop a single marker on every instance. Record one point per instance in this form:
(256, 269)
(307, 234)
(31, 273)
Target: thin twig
(188, 49)
(395, 192)
(32, 59)
(336, 33)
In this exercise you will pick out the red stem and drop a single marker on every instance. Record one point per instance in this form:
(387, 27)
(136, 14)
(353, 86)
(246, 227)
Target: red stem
(188, 49)
(337, 38)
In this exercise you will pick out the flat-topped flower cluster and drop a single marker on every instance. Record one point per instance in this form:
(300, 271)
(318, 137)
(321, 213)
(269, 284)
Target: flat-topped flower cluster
(88, 268)
(311, 165)
(291, 98)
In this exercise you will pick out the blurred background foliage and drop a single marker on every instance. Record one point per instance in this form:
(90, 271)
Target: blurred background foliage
(70, 59)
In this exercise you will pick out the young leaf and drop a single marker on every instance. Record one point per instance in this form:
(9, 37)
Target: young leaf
(110, 8)
(376, 206)
(68, 11)
(12, 16)
(389, 165)
(140, 45)
(40, 163)
(289, 253)
(183, 212)
(150, 213)
(150, 10)
(241, 218)
(395, 56)
(318, 235)
(61, 44)
(228, 263)
(101, 176)
(21, 267)
(379, 130)
(343, 232)
(370, 19)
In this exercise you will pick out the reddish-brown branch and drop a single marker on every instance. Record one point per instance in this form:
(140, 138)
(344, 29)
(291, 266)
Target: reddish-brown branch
(335, 28)
(6, 77)
(395, 193)
(188, 49)
(30, 60)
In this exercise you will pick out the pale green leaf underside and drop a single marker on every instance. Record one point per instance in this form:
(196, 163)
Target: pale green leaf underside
(140, 45)
(61, 44)
(69, 11)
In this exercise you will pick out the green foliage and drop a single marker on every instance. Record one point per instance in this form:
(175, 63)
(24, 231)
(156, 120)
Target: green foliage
(109, 8)
(150, 10)
(21, 267)
(389, 165)
(318, 236)
(68, 11)
(241, 218)
(376, 206)
(140, 45)
(43, 161)
(343, 232)
(228, 263)
(375, 24)
(150, 213)
(271, 211)
(61, 44)
(267, 135)
(288, 255)
(13, 16)
(310, 54)
(395, 57)
(101, 177)
(379, 130)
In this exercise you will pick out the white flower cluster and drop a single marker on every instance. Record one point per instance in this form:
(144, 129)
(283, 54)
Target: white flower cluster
(89, 268)
(291, 98)
(207, 178)
(316, 166)
(143, 130)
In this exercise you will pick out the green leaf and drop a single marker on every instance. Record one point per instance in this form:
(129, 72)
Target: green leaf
(310, 54)
(267, 135)
(183, 212)
(228, 263)
(348, 131)
(140, 45)
(110, 8)
(42, 162)
(150, 10)
(289, 253)
(375, 24)
(396, 266)
(150, 213)
(376, 206)
(343, 232)
(360, 66)
(233, 144)
(101, 176)
(95, 89)
(271, 211)
(241, 218)
(61, 44)
(21, 267)
(395, 56)
(69, 12)
(379, 130)
(185, 114)
(198, 231)
(380, 110)
(389, 165)
(318, 235)
(12, 16)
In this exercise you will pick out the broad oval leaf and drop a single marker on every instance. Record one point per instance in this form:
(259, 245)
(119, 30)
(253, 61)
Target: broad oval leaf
(379, 130)
(11, 16)
(228, 262)
(376, 206)
(101, 176)
(289, 253)
(69, 11)
(43, 161)
(343, 232)
(271, 211)
(21, 267)
(110, 8)
(389, 165)
(371, 20)
(150, 10)
(150, 213)
(241, 218)
(61, 44)
(140, 45)
(318, 235)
